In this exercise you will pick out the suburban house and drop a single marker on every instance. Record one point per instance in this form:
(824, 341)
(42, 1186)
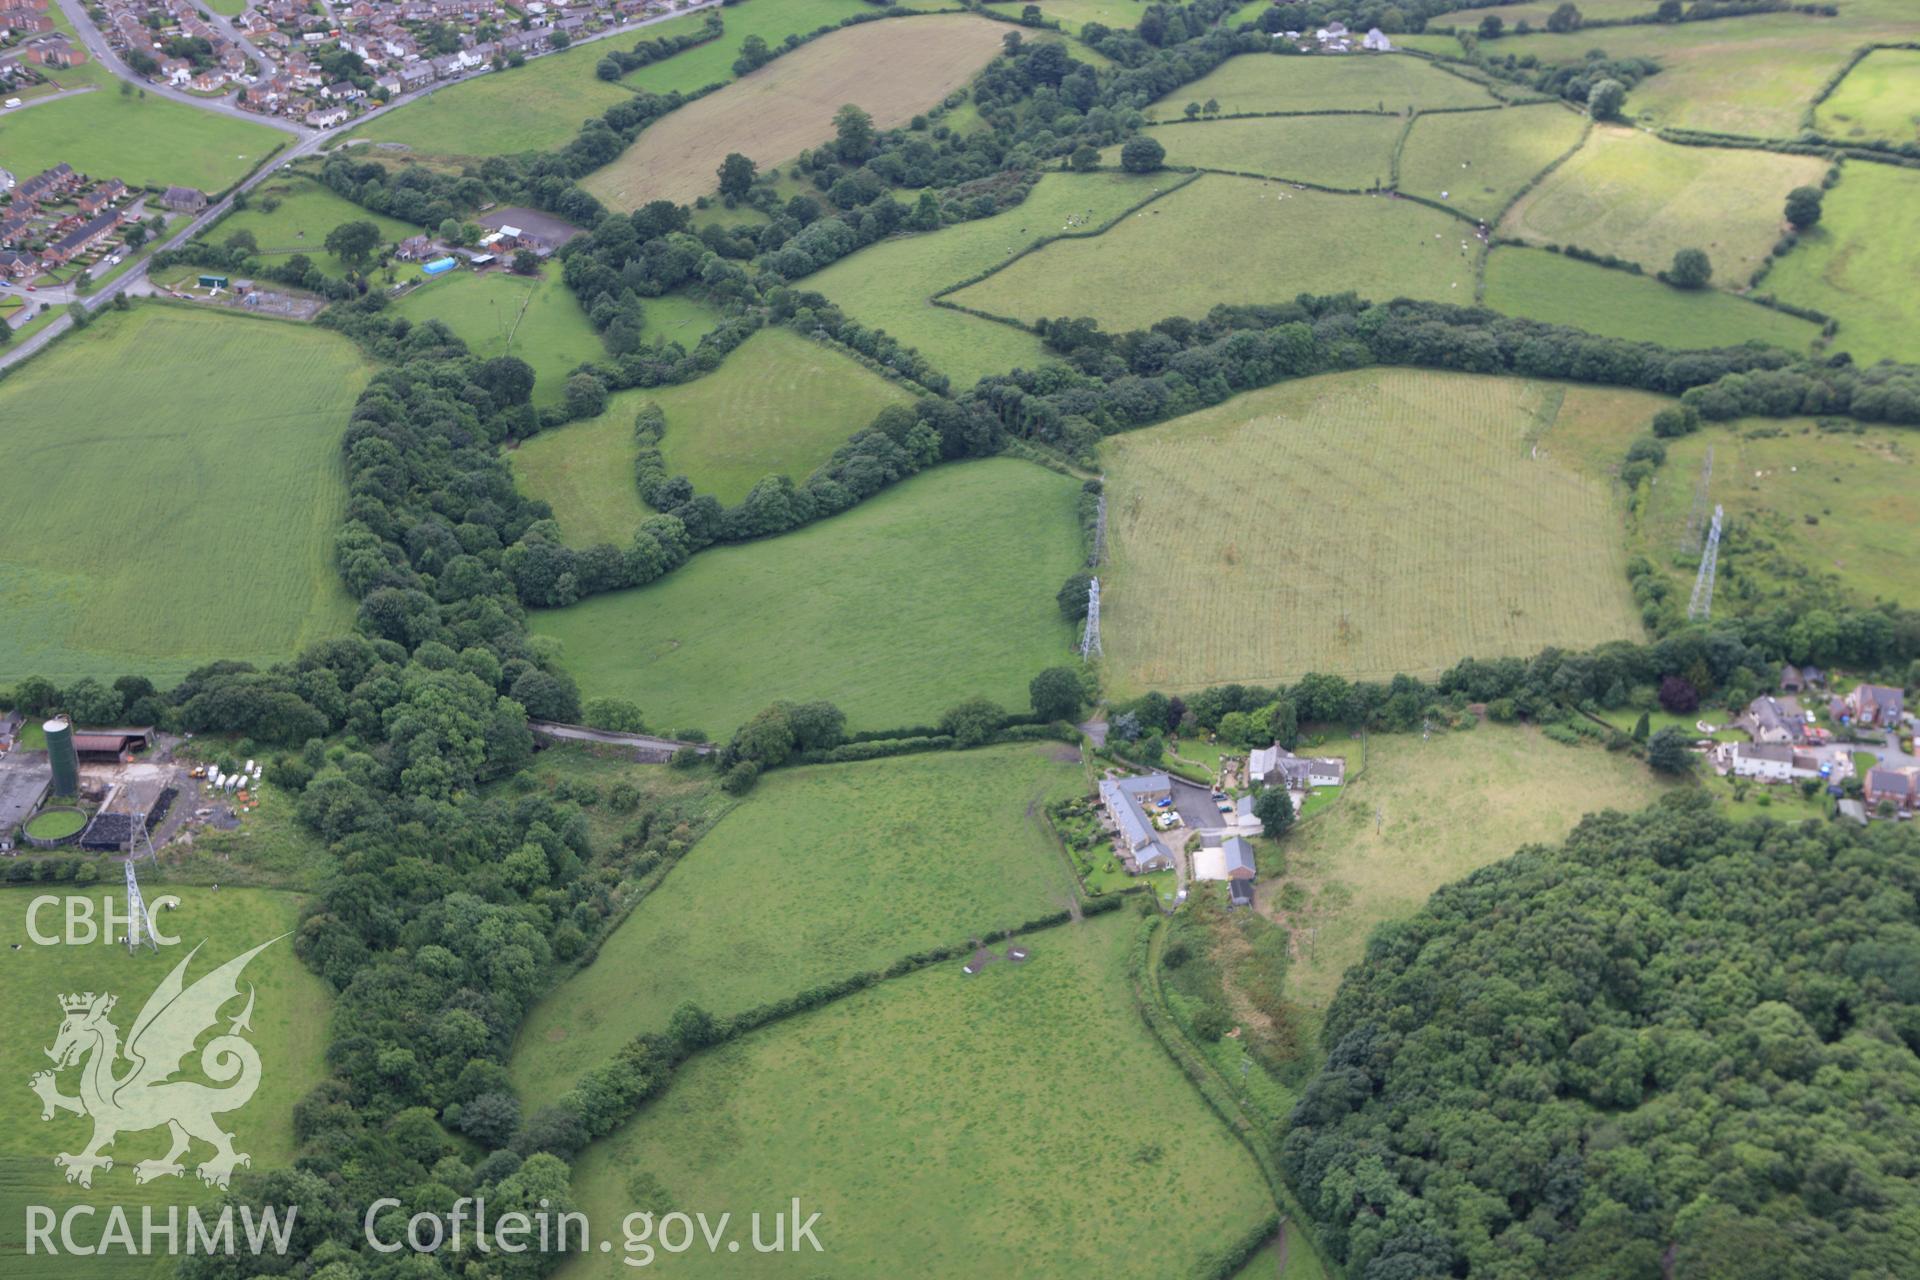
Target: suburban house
(1232, 859)
(1771, 762)
(1877, 704)
(1276, 766)
(1767, 722)
(48, 183)
(79, 240)
(1898, 787)
(104, 193)
(15, 266)
(1125, 801)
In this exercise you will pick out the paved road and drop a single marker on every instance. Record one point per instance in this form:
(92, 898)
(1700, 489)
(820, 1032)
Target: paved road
(134, 281)
(41, 102)
(641, 741)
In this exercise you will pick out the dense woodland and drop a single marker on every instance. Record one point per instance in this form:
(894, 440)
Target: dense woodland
(1674, 1046)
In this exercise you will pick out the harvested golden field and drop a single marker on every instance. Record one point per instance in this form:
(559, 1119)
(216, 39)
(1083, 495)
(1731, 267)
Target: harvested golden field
(892, 70)
(1362, 523)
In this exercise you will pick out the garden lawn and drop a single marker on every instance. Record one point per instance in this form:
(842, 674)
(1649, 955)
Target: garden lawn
(888, 285)
(1268, 241)
(289, 1024)
(1021, 1121)
(892, 69)
(1858, 265)
(934, 591)
(1631, 195)
(1351, 152)
(306, 211)
(779, 405)
(1256, 82)
(1617, 304)
(496, 313)
(1879, 99)
(1363, 523)
(148, 141)
(1476, 161)
(927, 850)
(174, 488)
(1424, 813)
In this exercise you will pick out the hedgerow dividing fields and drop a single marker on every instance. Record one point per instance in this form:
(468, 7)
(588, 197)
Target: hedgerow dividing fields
(779, 405)
(931, 592)
(1476, 160)
(289, 1030)
(1270, 241)
(821, 873)
(143, 141)
(1017, 1122)
(888, 285)
(1256, 82)
(1354, 152)
(1617, 304)
(1858, 265)
(890, 69)
(1628, 193)
(163, 511)
(1880, 98)
(1365, 524)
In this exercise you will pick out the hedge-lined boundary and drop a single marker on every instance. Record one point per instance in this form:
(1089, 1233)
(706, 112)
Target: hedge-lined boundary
(607, 1096)
(1526, 189)
(938, 299)
(1144, 981)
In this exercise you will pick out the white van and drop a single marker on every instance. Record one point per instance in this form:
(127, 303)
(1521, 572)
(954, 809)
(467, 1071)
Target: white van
(12, 103)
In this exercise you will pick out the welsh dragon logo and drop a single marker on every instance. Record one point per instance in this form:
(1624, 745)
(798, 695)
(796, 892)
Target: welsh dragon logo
(144, 1097)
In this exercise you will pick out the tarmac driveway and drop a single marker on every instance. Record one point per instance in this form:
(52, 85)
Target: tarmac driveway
(1196, 807)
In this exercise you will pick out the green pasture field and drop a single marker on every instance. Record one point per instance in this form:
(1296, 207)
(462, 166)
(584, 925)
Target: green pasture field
(146, 141)
(893, 70)
(1617, 304)
(536, 318)
(1752, 75)
(887, 285)
(174, 487)
(299, 223)
(1120, 15)
(1880, 98)
(1016, 1122)
(1858, 265)
(1361, 523)
(937, 590)
(1273, 241)
(1353, 152)
(1270, 82)
(289, 1024)
(540, 106)
(819, 874)
(1479, 159)
(1424, 813)
(1829, 502)
(778, 406)
(1536, 12)
(1629, 194)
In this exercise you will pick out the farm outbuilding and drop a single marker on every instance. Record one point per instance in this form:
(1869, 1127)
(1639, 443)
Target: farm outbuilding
(439, 266)
(23, 785)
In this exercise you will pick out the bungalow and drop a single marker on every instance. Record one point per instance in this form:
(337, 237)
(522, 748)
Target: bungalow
(184, 199)
(1898, 787)
(1232, 859)
(1877, 704)
(1276, 766)
(1766, 721)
